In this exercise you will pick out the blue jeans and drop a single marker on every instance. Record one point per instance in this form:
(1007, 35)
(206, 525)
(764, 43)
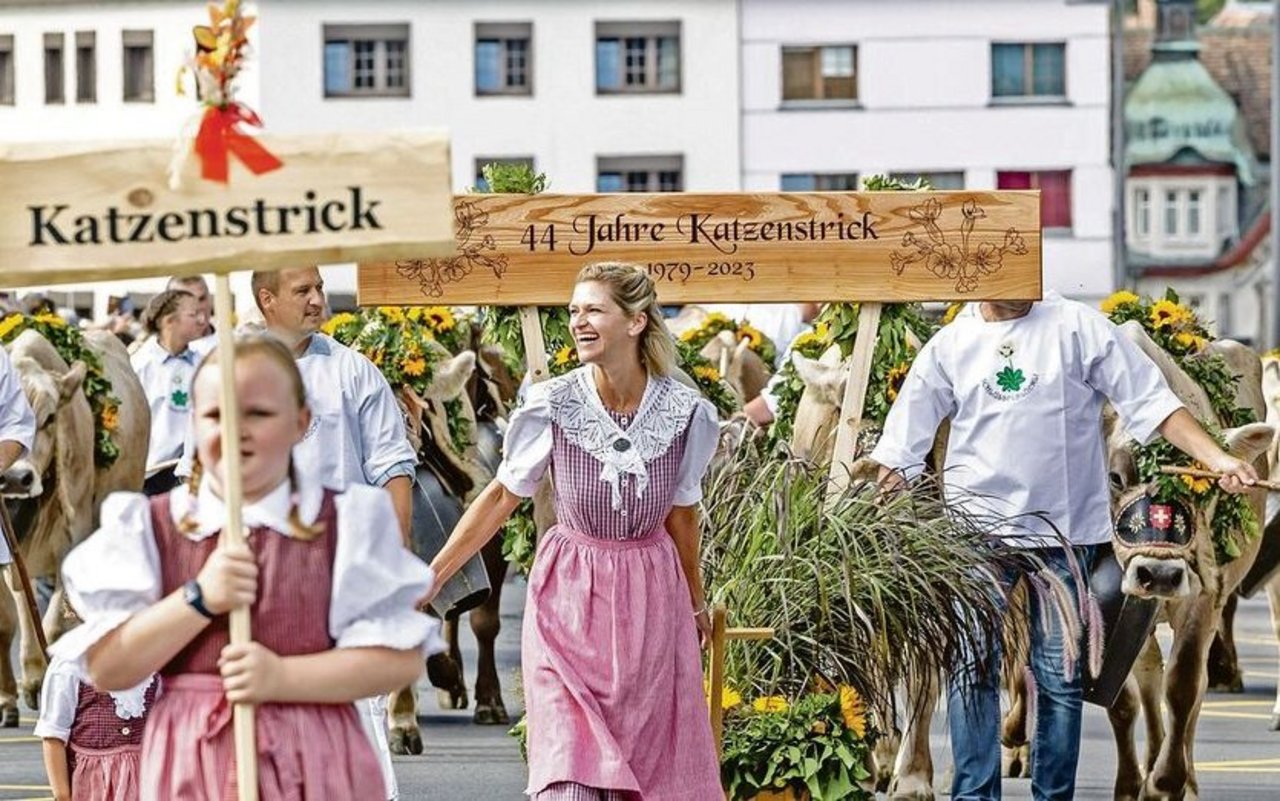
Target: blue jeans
(973, 703)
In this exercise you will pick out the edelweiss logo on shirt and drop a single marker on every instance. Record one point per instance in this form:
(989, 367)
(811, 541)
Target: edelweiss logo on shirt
(1011, 383)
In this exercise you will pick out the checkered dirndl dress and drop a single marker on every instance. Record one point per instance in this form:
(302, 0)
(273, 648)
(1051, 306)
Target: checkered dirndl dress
(103, 746)
(304, 750)
(611, 664)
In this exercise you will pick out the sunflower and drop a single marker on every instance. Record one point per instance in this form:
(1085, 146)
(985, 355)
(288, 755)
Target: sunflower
(338, 321)
(51, 319)
(690, 334)
(566, 355)
(894, 380)
(952, 311)
(110, 418)
(1190, 341)
(753, 336)
(770, 703)
(414, 366)
(853, 710)
(729, 697)
(1167, 314)
(440, 318)
(1198, 486)
(1121, 298)
(8, 324)
(812, 343)
(393, 314)
(706, 372)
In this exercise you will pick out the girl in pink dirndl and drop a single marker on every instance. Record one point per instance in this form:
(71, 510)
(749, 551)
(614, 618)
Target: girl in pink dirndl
(92, 740)
(611, 664)
(332, 593)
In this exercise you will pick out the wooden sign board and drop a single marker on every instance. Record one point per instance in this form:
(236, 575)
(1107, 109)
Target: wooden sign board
(833, 246)
(93, 212)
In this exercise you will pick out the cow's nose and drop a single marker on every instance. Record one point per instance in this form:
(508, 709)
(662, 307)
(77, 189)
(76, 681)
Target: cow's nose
(18, 480)
(1160, 579)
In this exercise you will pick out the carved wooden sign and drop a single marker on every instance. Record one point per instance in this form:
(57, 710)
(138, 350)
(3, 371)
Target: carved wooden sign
(73, 212)
(837, 246)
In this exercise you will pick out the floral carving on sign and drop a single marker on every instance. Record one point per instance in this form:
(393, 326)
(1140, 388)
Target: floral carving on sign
(475, 251)
(961, 262)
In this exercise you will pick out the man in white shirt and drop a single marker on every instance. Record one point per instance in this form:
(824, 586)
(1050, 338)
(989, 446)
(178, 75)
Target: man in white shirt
(357, 434)
(17, 428)
(1024, 385)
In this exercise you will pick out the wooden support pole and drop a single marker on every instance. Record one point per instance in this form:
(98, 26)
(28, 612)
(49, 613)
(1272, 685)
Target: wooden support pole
(535, 345)
(720, 637)
(233, 532)
(718, 616)
(855, 397)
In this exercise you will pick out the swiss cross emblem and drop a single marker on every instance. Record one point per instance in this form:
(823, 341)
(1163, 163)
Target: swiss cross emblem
(1161, 516)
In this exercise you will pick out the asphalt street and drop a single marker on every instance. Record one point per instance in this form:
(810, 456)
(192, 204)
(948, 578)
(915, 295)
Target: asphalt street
(1238, 758)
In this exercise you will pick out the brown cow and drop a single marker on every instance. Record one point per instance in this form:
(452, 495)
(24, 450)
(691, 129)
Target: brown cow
(55, 507)
(1192, 586)
(457, 477)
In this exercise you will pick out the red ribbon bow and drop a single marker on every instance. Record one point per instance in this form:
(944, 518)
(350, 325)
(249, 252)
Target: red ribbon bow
(219, 134)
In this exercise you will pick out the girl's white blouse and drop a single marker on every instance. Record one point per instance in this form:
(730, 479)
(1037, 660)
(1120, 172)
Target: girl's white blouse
(60, 695)
(377, 583)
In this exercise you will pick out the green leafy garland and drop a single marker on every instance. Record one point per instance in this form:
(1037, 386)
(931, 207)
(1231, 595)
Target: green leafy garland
(901, 325)
(1178, 330)
(1232, 513)
(716, 322)
(406, 344)
(69, 342)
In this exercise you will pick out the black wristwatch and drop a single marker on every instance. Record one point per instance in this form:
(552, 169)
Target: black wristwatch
(195, 598)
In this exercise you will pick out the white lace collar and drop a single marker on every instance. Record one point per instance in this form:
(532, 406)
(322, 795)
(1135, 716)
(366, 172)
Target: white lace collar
(132, 703)
(270, 511)
(662, 416)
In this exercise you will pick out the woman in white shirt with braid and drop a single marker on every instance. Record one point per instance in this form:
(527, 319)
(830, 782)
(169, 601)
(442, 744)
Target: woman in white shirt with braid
(165, 364)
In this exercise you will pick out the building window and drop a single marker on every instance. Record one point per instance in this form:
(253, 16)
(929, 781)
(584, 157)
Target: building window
(504, 58)
(366, 60)
(819, 73)
(637, 57)
(1142, 213)
(86, 67)
(55, 72)
(820, 182)
(640, 174)
(481, 184)
(6, 69)
(1225, 213)
(1193, 212)
(1055, 193)
(1224, 314)
(942, 181)
(1171, 227)
(139, 67)
(1028, 70)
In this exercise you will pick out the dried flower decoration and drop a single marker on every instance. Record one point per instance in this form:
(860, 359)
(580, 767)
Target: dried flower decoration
(221, 48)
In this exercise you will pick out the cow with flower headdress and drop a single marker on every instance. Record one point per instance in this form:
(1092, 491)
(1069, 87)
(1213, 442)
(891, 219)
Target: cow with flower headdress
(1180, 541)
(93, 425)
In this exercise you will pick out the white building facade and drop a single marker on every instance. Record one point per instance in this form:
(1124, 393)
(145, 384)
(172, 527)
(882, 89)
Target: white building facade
(637, 95)
(977, 95)
(643, 95)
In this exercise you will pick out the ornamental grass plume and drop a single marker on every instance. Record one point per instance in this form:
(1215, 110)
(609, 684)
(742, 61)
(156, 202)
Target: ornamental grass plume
(870, 593)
